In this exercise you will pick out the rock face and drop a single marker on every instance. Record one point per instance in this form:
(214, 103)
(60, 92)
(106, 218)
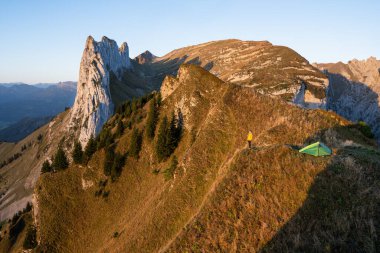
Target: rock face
(273, 70)
(146, 57)
(93, 105)
(354, 91)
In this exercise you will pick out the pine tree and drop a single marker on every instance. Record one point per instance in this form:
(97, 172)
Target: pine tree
(117, 166)
(77, 153)
(120, 128)
(152, 119)
(60, 160)
(108, 162)
(169, 135)
(162, 140)
(136, 142)
(90, 148)
(172, 134)
(159, 99)
(46, 167)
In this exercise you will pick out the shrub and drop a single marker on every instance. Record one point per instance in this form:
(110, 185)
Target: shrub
(169, 172)
(30, 241)
(77, 153)
(106, 194)
(46, 167)
(364, 129)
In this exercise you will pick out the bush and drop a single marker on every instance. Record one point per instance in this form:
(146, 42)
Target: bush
(169, 172)
(60, 161)
(77, 153)
(30, 241)
(364, 129)
(136, 142)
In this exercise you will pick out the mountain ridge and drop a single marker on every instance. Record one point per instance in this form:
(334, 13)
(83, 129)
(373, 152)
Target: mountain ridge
(152, 214)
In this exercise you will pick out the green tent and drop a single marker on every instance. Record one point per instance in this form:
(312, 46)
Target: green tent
(316, 149)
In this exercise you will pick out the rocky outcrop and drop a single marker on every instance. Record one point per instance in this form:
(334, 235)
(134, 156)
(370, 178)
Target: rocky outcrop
(354, 90)
(146, 57)
(93, 105)
(272, 70)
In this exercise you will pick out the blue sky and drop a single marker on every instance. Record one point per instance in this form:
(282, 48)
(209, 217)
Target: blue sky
(42, 41)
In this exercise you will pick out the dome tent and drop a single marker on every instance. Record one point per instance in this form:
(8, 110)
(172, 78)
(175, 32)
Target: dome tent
(316, 149)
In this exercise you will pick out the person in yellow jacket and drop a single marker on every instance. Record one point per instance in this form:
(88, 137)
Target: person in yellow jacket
(249, 138)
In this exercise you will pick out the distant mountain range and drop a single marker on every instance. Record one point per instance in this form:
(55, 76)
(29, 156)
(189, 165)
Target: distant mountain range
(32, 104)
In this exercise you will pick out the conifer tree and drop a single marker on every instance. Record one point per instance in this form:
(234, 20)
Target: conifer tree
(136, 142)
(159, 99)
(46, 167)
(162, 151)
(120, 128)
(117, 166)
(108, 162)
(90, 147)
(172, 134)
(152, 119)
(77, 153)
(60, 160)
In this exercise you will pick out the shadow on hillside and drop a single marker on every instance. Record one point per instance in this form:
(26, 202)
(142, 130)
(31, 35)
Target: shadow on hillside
(354, 101)
(341, 212)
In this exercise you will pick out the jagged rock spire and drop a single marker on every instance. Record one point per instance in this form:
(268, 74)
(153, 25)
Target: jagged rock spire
(93, 104)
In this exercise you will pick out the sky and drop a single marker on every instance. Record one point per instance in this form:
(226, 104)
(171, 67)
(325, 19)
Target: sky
(43, 40)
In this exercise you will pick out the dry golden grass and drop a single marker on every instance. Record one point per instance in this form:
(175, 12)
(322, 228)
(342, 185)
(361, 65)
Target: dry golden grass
(223, 197)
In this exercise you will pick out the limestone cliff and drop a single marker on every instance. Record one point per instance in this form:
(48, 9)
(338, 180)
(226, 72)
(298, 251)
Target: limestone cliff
(354, 90)
(93, 104)
(269, 69)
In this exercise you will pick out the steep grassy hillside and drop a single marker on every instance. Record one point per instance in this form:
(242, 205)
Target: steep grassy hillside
(221, 196)
(272, 70)
(20, 164)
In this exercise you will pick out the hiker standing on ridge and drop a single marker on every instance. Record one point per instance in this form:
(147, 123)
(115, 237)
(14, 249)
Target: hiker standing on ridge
(249, 138)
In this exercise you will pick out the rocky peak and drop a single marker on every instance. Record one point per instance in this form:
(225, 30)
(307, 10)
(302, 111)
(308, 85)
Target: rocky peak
(354, 89)
(93, 104)
(146, 57)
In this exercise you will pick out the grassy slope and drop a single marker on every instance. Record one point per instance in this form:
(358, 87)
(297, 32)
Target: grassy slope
(18, 178)
(223, 197)
(6, 245)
